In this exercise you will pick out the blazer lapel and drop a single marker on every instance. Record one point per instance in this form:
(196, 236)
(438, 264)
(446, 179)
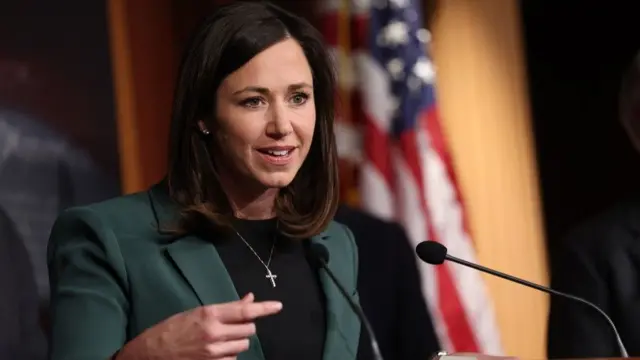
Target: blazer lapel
(202, 268)
(343, 325)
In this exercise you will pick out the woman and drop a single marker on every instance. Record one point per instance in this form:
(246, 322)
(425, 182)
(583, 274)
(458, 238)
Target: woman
(252, 180)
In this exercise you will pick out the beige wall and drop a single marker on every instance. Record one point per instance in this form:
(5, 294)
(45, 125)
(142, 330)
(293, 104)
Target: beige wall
(482, 85)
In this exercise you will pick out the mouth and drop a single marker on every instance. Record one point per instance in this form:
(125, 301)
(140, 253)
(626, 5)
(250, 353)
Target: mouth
(281, 151)
(280, 155)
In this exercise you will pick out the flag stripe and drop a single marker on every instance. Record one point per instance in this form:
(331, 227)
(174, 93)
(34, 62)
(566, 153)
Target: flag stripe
(458, 329)
(404, 166)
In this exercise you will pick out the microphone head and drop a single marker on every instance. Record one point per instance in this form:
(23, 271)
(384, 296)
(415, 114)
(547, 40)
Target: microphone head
(319, 255)
(431, 252)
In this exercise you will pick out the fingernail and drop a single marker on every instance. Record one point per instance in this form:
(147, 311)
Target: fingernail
(277, 306)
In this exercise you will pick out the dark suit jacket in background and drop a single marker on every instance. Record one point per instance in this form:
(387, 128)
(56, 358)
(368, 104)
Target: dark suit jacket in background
(21, 337)
(42, 173)
(599, 261)
(390, 287)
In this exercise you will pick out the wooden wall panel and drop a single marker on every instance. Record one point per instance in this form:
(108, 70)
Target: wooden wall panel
(143, 55)
(482, 86)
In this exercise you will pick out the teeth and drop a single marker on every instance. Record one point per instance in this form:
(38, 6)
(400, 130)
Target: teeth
(278, 152)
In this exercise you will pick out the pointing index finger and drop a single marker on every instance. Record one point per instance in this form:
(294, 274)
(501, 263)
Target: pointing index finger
(239, 312)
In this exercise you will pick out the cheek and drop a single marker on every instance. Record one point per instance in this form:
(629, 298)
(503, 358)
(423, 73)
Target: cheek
(237, 129)
(307, 126)
(235, 147)
(241, 133)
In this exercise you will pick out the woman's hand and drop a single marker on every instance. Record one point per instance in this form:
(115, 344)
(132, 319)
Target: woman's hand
(210, 332)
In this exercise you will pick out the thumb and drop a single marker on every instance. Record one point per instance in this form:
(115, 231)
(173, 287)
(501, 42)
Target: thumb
(248, 298)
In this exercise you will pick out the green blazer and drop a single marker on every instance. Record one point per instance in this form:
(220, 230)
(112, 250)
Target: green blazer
(113, 275)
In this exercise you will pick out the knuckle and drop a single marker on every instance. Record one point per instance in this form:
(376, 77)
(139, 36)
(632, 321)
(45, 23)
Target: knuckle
(246, 312)
(214, 331)
(214, 311)
(212, 350)
(210, 312)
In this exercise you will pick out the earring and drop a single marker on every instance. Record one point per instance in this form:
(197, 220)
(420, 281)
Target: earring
(203, 130)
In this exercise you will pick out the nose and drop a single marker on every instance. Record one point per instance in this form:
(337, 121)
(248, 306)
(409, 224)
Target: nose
(279, 123)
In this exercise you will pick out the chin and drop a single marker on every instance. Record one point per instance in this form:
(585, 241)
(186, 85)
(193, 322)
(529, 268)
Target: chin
(276, 180)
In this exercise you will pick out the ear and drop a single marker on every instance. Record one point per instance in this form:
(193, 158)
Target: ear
(203, 128)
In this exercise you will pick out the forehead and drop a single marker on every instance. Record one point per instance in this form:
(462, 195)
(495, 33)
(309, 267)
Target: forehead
(278, 66)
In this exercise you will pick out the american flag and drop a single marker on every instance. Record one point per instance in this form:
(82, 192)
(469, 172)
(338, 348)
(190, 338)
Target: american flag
(395, 161)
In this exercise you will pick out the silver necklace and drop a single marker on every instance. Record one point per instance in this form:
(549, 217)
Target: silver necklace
(271, 276)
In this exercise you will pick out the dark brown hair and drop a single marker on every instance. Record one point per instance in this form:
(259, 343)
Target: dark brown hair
(223, 43)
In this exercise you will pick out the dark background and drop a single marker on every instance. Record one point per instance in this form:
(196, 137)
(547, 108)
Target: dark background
(64, 46)
(576, 54)
(56, 85)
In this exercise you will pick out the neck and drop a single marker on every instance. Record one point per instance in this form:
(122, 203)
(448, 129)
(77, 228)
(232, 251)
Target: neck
(247, 203)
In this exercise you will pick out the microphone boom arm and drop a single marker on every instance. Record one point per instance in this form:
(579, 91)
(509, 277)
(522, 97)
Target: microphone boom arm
(374, 343)
(623, 350)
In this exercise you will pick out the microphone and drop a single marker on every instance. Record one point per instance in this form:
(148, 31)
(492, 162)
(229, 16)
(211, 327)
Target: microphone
(320, 259)
(435, 253)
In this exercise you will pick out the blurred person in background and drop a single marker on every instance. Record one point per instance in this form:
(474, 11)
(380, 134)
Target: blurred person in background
(48, 113)
(57, 130)
(600, 262)
(390, 287)
(21, 336)
(42, 170)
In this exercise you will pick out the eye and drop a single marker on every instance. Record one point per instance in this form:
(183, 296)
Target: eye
(299, 98)
(252, 102)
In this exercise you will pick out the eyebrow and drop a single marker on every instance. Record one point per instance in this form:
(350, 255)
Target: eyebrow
(263, 90)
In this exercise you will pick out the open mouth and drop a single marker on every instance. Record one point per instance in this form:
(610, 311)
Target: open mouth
(277, 155)
(277, 151)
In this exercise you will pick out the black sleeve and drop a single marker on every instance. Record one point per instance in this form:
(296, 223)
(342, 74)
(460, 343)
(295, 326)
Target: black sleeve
(416, 336)
(576, 330)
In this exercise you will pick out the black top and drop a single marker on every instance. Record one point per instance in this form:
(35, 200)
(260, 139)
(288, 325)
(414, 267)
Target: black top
(299, 330)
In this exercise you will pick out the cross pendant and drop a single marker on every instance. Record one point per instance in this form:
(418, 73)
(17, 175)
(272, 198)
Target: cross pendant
(272, 278)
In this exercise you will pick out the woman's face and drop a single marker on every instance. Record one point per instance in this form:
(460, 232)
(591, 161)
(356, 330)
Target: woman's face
(266, 117)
